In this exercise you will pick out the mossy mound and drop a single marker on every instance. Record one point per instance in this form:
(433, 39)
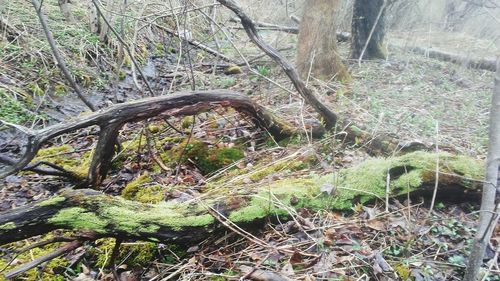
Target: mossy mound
(50, 271)
(65, 157)
(207, 159)
(143, 189)
(132, 254)
(362, 183)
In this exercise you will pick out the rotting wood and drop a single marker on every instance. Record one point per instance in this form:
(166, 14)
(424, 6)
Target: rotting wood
(191, 221)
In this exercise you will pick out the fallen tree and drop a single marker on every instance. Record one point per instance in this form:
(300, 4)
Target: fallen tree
(469, 62)
(93, 215)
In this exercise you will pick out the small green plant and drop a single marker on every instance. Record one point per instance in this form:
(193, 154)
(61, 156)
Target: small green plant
(263, 70)
(227, 82)
(13, 110)
(457, 260)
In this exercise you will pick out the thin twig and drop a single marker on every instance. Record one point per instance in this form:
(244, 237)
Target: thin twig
(57, 55)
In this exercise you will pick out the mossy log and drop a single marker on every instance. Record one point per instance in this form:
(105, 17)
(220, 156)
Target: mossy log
(191, 221)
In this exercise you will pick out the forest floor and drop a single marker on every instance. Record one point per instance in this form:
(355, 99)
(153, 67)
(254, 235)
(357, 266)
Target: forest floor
(409, 97)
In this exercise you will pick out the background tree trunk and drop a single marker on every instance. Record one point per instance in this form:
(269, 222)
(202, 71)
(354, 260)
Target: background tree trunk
(489, 213)
(317, 47)
(66, 10)
(95, 24)
(366, 15)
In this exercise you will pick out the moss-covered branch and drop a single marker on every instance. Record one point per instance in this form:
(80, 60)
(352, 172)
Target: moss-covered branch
(187, 222)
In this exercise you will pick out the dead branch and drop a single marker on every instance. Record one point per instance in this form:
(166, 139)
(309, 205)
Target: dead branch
(341, 36)
(198, 45)
(25, 267)
(111, 120)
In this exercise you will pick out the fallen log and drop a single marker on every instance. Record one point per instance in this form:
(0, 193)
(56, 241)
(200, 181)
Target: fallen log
(457, 59)
(191, 221)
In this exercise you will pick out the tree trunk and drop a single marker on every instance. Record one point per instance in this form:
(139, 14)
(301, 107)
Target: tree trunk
(66, 11)
(317, 47)
(489, 214)
(368, 25)
(95, 24)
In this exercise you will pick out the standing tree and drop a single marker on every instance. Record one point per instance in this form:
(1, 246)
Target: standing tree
(368, 29)
(489, 204)
(66, 10)
(317, 47)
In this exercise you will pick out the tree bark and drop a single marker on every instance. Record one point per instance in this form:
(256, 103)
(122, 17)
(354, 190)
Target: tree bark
(317, 48)
(489, 213)
(95, 24)
(66, 11)
(368, 29)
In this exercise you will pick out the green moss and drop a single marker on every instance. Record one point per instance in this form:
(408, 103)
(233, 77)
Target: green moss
(60, 89)
(8, 226)
(207, 159)
(467, 167)
(44, 273)
(134, 219)
(293, 193)
(362, 183)
(153, 129)
(61, 155)
(78, 218)
(132, 254)
(233, 69)
(150, 194)
(14, 110)
(122, 75)
(132, 188)
(409, 181)
(187, 122)
(289, 165)
(52, 201)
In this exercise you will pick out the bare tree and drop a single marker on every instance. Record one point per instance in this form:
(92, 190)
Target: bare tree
(489, 212)
(368, 29)
(317, 47)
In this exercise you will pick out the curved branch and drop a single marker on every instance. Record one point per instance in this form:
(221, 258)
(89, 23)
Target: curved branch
(111, 119)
